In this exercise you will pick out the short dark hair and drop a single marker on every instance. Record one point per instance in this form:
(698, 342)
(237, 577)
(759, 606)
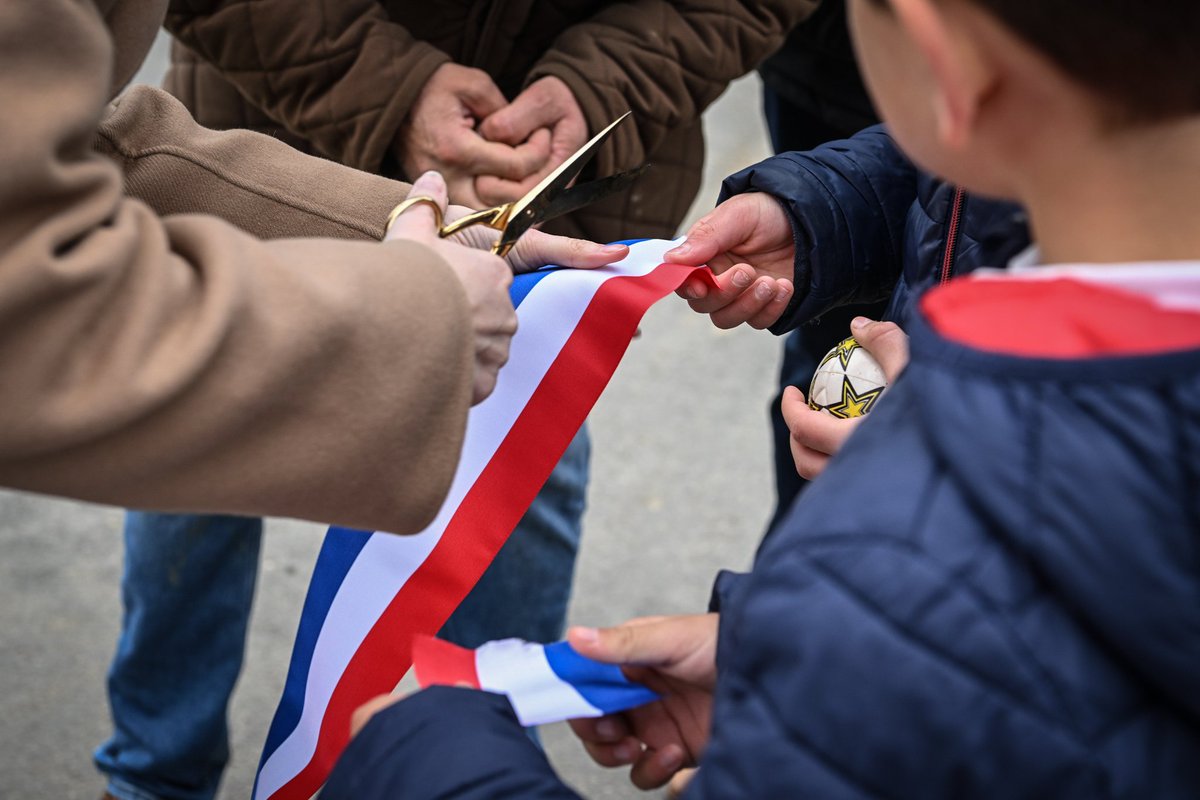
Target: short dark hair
(1140, 56)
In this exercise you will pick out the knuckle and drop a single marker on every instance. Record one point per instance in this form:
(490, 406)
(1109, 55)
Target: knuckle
(878, 332)
(626, 641)
(504, 276)
(499, 127)
(703, 229)
(725, 323)
(886, 330)
(801, 430)
(443, 152)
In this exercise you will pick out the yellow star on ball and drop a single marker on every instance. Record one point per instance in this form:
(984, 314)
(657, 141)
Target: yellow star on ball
(854, 404)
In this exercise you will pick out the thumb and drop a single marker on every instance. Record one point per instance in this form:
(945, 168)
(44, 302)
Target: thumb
(480, 94)
(701, 245)
(537, 249)
(885, 341)
(419, 222)
(624, 644)
(724, 228)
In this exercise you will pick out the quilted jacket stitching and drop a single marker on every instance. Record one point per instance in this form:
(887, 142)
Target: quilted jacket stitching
(989, 611)
(842, 772)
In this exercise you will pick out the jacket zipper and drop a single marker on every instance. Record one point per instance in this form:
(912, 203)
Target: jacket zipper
(960, 196)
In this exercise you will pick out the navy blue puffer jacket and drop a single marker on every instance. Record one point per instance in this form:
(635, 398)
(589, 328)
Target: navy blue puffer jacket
(992, 592)
(869, 225)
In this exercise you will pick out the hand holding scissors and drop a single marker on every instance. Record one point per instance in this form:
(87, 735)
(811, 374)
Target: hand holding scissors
(549, 199)
(485, 277)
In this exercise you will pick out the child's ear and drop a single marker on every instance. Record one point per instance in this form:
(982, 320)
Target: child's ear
(961, 80)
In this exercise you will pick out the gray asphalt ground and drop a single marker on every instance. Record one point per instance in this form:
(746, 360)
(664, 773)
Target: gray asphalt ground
(681, 486)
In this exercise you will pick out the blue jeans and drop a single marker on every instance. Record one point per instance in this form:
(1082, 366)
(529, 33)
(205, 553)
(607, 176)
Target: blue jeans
(187, 590)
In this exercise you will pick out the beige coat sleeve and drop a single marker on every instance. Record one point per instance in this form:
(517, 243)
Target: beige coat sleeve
(664, 60)
(179, 363)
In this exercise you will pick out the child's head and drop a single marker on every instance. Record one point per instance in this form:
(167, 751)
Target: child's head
(959, 79)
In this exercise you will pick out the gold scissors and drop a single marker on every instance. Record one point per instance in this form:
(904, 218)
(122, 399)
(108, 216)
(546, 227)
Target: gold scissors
(549, 199)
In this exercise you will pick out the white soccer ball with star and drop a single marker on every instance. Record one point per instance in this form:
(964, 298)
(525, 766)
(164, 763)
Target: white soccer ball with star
(848, 381)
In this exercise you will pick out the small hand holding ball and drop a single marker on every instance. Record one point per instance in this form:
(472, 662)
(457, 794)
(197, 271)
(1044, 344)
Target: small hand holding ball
(848, 383)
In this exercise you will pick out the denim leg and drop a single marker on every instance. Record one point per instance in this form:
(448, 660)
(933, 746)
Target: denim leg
(187, 590)
(525, 591)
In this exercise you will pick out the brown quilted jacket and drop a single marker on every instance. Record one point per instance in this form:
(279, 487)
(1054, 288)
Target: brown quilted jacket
(337, 78)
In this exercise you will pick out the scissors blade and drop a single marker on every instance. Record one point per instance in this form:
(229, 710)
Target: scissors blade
(585, 194)
(527, 211)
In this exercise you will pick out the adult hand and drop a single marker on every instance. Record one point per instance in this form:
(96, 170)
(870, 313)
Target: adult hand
(546, 105)
(485, 278)
(439, 134)
(747, 242)
(815, 435)
(674, 656)
(536, 249)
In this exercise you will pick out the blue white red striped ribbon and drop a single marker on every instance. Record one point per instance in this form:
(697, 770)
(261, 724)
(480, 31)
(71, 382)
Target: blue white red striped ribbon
(372, 594)
(545, 683)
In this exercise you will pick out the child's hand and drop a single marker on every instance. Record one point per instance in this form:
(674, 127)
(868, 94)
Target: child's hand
(817, 436)
(674, 656)
(747, 242)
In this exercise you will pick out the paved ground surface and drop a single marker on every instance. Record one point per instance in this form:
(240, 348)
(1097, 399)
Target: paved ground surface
(681, 487)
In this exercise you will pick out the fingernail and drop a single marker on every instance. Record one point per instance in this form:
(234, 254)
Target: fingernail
(693, 291)
(741, 278)
(587, 635)
(607, 729)
(614, 248)
(858, 323)
(783, 291)
(682, 250)
(671, 760)
(428, 174)
(764, 291)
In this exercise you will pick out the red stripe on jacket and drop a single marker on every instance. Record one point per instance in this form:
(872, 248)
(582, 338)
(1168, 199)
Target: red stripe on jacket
(1057, 318)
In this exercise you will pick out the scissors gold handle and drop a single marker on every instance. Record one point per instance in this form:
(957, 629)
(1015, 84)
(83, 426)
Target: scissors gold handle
(495, 218)
(549, 199)
(405, 205)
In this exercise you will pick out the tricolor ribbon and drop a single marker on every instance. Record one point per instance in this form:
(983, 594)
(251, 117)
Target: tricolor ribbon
(544, 682)
(372, 594)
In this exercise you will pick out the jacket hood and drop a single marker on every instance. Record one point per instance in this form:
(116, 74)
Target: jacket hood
(1091, 466)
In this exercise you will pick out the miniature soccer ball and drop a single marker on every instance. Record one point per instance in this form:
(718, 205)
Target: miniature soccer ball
(848, 382)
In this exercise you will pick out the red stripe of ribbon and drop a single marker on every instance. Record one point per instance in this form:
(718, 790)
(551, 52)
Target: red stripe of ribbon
(491, 508)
